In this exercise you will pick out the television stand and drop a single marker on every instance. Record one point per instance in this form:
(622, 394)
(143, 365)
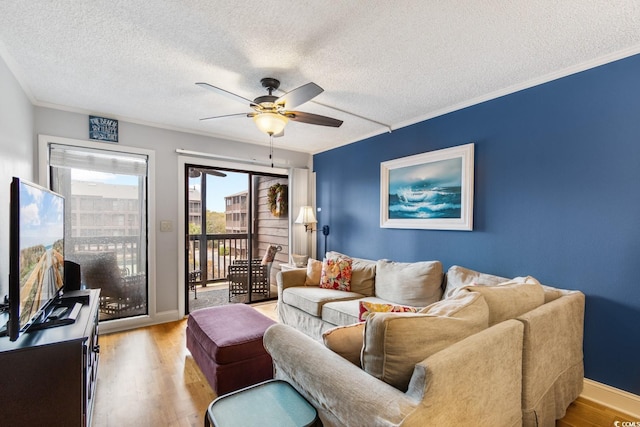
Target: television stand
(48, 376)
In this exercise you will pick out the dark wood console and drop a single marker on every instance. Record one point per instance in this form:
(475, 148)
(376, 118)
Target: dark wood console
(48, 376)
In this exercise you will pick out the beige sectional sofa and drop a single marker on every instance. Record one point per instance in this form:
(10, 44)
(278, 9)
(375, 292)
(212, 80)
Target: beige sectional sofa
(314, 310)
(492, 351)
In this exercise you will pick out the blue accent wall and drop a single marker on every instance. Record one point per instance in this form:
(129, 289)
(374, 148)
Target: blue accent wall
(557, 197)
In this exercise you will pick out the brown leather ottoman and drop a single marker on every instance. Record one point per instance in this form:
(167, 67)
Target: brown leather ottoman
(226, 343)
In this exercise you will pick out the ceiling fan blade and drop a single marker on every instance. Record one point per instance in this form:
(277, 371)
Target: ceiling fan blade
(299, 95)
(195, 172)
(226, 93)
(213, 172)
(226, 115)
(313, 119)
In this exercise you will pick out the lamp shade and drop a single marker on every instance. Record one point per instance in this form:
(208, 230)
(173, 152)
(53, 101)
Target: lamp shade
(306, 216)
(270, 123)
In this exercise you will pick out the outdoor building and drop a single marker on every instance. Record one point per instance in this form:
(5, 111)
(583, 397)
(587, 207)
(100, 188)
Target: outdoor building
(99, 209)
(236, 212)
(195, 206)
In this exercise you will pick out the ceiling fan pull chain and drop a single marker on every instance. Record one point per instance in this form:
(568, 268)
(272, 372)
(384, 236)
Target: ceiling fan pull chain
(271, 148)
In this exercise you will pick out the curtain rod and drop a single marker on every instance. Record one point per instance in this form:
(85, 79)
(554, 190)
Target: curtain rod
(230, 158)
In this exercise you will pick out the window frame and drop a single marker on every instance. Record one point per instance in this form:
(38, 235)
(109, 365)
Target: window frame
(44, 179)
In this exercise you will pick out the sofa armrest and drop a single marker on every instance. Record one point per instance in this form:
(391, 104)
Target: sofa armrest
(452, 387)
(553, 370)
(290, 278)
(343, 393)
(459, 384)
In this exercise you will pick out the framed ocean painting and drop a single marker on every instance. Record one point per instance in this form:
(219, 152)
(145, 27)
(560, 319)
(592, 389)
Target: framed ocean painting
(431, 190)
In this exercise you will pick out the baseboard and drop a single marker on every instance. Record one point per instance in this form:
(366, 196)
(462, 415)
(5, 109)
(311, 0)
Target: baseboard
(127, 323)
(611, 397)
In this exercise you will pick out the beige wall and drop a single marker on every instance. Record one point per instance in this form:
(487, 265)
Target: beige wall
(271, 230)
(164, 143)
(21, 122)
(16, 155)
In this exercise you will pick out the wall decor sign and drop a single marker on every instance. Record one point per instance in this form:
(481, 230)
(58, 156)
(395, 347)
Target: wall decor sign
(103, 129)
(431, 190)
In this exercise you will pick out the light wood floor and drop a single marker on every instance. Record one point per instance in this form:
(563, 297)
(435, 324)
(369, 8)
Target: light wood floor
(147, 378)
(585, 413)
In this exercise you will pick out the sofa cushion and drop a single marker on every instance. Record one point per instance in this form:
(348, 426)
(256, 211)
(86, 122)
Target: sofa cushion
(367, 307)
(346, 341)
(345, 312)
(363, 274)
(395, 342)
(340, 313)
(314, 271)
(336, 273)
(510, 299)
(458, 277)
(551, 293)
(415, 284)
(310, 299)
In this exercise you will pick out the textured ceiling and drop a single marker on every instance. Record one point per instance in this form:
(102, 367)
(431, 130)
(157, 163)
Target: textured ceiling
(389, 64)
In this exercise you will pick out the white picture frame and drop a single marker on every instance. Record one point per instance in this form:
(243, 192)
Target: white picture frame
(432, 191)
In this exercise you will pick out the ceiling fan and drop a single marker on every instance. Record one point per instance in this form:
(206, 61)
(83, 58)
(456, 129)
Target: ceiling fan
(196, 172)
(271, 113)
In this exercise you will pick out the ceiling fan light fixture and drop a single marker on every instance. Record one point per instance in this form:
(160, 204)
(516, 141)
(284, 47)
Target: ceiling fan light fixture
(270, 123)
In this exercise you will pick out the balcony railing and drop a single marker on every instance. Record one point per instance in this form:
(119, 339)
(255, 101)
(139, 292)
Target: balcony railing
(125, 248)
(222, 250)
(117, 266)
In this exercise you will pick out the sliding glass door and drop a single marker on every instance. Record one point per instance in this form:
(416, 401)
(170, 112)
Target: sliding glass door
(237, 224)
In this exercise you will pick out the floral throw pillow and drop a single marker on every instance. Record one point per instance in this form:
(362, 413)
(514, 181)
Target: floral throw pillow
(336, 273)
(366, 308)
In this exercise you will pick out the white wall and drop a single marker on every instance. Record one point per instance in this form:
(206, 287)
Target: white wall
(16, 154)
(164, 143)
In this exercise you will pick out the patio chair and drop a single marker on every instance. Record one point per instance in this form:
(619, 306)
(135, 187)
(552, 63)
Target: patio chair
(100, 271)
(194, 278)
(238, 276)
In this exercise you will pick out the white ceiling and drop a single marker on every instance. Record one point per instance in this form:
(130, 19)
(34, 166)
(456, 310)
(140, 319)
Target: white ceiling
(393, 63)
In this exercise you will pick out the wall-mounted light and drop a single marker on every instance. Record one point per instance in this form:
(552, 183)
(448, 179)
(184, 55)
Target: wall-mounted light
(306, 217)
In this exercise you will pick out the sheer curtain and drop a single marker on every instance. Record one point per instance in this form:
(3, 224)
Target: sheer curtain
(300, 194)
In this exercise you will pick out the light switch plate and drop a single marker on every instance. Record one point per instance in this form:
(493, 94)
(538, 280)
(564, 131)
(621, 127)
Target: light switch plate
(166, 226)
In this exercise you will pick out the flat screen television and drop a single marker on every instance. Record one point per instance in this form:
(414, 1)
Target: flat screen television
(36, 254)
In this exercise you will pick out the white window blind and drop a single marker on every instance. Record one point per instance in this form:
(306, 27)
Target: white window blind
(63, 156)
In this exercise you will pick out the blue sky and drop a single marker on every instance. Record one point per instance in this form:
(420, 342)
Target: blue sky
(219, 187)
(110, 178)
(41, 217)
